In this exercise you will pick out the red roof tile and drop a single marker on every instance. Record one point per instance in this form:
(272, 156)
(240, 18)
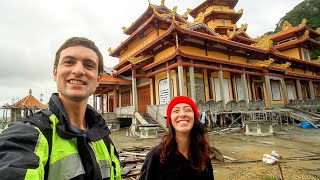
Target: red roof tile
(29, 101)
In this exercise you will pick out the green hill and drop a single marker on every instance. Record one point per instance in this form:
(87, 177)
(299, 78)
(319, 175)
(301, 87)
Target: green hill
(309, 9)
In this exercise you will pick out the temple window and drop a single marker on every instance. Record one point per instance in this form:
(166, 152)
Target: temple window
(305, 54)
(164, 91)
(223, 22)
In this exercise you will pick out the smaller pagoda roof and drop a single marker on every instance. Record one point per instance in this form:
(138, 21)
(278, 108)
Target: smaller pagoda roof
(29, 101)
(289, 32)
(207, 3)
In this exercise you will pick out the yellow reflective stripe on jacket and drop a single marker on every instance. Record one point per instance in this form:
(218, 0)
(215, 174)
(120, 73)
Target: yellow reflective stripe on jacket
(105, 159)
(42, 151)
(115, 160)
(65, 162)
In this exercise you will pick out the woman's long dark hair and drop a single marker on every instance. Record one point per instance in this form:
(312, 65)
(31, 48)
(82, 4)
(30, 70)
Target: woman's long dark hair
(199, 149)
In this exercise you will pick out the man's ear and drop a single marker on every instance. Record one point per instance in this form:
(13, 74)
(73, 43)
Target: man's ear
(99, 79)
(54, 73)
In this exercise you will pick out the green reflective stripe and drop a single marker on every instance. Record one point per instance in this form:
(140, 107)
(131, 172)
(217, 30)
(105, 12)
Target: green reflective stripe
(105, 158)
(66, 168)
(61, 147)
(42, 151)
(115, 159)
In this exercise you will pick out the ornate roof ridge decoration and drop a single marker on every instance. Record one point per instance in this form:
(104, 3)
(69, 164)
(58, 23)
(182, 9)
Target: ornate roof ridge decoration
(162, 2)
(174, 11)
(243, 27)
(240, 11)
(177, 40)
(306, 33)
(213, 26)
(136, 60)
(281, 66)
(199, 18)
(262, 63)
(110, 50)
(231, 33)
(185, 15)
(264, 42)
(303, 22)
(194, 27)
(286, 25)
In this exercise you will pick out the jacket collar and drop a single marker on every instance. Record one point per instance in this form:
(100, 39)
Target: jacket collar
(96, 123)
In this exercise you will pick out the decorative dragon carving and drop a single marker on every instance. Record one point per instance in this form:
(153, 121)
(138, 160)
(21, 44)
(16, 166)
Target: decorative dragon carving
(286, 25)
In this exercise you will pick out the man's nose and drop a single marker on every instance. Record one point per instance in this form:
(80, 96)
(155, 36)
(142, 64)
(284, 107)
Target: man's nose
(78, 69)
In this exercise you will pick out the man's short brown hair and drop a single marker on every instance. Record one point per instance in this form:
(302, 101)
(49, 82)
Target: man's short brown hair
(80, 41)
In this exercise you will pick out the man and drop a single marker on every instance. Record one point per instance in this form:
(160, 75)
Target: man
(70, 140)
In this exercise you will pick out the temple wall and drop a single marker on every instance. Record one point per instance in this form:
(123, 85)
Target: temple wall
(219, 22)
(138, 43)
(165, 53)
(194, 50)
(292, 53)
(217, 55)
(238, 59)
(295, 70)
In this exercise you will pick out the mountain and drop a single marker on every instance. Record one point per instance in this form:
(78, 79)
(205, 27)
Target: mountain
(309, 9)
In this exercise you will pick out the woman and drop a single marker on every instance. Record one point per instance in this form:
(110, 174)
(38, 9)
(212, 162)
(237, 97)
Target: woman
(184, 153)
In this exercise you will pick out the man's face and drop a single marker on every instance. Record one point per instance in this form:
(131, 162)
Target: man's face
(77, 73)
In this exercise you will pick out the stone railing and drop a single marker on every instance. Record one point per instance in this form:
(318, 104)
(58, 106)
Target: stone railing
(157, 112)
(125, 112)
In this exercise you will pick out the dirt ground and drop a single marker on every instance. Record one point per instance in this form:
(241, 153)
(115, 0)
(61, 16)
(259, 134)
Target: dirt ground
(299, 148)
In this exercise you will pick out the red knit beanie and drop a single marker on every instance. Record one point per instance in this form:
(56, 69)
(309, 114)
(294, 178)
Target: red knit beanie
(181, 99)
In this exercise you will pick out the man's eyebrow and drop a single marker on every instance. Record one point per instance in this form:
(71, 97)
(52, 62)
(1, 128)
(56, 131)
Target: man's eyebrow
(68, 56)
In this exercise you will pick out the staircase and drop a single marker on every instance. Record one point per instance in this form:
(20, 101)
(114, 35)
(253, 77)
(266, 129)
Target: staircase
(148, 118)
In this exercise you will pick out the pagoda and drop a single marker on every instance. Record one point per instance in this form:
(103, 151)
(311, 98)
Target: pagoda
(24, 107)
(212, 58)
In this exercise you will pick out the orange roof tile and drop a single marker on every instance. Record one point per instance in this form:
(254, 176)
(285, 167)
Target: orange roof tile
(113, 80)
(29, 101)
(287, 31)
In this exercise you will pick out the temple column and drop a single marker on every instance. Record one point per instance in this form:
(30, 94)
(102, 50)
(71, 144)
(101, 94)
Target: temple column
(169, 83)
(192, 83)
(299, 91)
(222, 95)
(311, 90)
(269, 92)
(180, 77)
(284, 91)
(245, 88)
(101, 103)
(134, 90)
(115, 99)
(134, 100)
(94, 101)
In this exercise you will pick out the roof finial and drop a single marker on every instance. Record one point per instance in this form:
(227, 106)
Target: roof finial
(162, 2)
(30, 91)
(149, 2)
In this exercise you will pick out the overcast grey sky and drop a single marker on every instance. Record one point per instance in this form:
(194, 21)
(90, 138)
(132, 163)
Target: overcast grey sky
(32, 30)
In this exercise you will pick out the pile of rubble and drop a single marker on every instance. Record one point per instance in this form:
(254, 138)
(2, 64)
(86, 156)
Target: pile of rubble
(131, 160)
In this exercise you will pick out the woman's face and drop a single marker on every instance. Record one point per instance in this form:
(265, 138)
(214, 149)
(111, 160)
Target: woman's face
(182, 118)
